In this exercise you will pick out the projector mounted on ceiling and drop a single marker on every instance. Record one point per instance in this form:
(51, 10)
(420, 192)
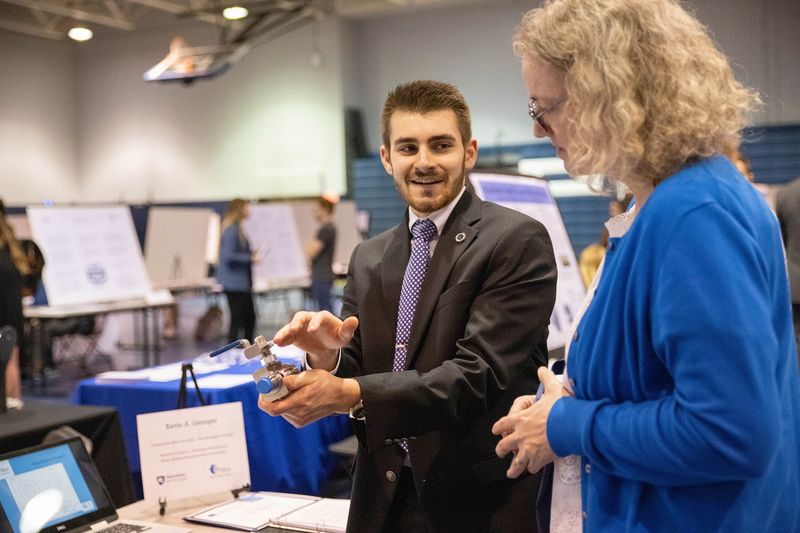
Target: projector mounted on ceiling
(267, 20)
(187, 64)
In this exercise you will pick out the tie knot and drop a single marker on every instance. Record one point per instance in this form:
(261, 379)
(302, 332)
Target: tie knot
(424, 229)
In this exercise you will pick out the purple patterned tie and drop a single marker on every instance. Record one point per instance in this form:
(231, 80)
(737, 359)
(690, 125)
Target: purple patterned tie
(423, 231)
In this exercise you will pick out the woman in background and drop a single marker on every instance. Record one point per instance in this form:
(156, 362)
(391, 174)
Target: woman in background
(680, 408)
(234, 271)
(13, 266)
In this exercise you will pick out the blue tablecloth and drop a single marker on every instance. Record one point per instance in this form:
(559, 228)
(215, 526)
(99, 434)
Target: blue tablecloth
(282, 458)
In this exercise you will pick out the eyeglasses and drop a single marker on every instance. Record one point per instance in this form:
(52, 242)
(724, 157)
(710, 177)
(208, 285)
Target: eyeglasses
(536, 114)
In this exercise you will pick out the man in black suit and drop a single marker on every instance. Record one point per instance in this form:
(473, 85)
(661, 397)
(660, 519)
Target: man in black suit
(787, 207)
(423, 401)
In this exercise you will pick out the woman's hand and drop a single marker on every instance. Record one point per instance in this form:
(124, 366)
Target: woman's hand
(524, 428)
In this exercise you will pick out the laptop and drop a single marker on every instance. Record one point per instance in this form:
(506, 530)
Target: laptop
(55, 488)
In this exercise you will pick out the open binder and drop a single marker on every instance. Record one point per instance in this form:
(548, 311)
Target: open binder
(256, 510)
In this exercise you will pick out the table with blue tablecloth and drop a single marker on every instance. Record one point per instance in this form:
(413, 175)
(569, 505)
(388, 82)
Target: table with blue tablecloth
(282, 458)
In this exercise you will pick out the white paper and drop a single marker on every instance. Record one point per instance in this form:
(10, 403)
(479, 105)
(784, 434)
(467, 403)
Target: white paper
(253, 510)
(223, 381)
(122, 376)
(327, 515)
(164, 373)
(191, 452)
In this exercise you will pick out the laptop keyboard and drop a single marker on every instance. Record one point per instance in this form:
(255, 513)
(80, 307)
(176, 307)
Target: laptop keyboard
(124, 528)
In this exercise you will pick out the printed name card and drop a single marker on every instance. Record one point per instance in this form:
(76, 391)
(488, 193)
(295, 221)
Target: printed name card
(191, 452)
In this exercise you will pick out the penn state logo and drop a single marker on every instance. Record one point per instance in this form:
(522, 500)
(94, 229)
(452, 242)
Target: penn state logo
(96, 274)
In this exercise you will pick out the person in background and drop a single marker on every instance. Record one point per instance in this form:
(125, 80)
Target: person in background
(234, 271)
(592, 256)
(680, 404)
(13, 266)
(446, 321)
(320, 252)
(787, 208)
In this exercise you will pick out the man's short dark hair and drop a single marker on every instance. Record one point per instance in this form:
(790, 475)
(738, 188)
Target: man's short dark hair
(425, 96)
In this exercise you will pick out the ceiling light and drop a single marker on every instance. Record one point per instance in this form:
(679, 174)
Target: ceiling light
(234, 12)
(80, 34)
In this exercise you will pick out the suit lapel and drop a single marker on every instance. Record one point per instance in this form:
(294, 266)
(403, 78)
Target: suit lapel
(393, 268)
(450, 246)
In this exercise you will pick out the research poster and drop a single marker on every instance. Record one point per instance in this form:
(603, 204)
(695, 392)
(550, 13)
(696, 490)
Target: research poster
(92, 254)
(272, 232)
(532, 197)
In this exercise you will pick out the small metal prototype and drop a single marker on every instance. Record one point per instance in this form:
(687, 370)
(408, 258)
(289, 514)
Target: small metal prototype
(268, 378)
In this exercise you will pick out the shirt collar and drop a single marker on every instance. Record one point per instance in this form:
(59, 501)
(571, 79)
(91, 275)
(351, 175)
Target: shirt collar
(438, 217)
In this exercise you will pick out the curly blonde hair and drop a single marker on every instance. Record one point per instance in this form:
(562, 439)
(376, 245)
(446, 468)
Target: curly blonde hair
(648, 91)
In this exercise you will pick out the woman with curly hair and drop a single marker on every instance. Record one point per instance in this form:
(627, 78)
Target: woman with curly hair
(680, 404)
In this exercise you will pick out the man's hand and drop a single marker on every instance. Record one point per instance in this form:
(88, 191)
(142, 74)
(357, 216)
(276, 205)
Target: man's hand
(313, 394)
(320, 335)
(524, 428)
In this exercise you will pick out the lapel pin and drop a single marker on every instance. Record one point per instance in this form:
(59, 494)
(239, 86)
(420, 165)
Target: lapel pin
(461, 236)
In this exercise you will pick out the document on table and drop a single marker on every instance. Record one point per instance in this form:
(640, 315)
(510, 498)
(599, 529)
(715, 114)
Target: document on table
(223, 381)
(326, 515)
(257, 510)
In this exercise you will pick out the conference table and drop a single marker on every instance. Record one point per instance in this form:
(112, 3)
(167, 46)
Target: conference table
(146, 331)
(282, 458)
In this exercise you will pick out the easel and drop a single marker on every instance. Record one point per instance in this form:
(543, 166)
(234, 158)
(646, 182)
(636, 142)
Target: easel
(176, 270)
(188, 371)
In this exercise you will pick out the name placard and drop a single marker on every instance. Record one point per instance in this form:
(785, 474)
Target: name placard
(191, 452)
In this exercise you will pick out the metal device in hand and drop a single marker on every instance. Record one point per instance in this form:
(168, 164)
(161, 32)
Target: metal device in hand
(268, 378)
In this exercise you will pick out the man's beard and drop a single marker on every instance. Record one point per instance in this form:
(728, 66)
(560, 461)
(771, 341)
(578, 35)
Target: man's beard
(434, 203)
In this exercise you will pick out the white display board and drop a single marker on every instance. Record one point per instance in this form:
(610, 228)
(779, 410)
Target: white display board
(176, 244)
(92, 254)
(272, 232)
(532, 197)
(345, 218)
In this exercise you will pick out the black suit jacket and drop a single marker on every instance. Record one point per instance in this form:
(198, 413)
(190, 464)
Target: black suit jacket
(479, 333)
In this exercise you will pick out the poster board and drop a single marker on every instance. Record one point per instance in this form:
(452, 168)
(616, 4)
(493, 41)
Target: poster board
(532, 197)
(92, 254)
(176, 245)
(273, 234)
(345, 218)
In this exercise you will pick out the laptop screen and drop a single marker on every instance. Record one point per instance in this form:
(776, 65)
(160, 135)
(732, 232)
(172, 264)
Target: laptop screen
(57, 482)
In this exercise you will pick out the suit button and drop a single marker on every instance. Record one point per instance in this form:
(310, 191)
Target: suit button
(388, 442)
(391, 476)
(587, 469)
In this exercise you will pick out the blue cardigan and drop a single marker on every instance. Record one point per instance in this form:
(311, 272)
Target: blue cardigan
(234, 270)
(687, 396)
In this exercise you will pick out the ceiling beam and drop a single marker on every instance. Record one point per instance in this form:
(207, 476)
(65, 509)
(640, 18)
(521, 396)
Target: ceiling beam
(74, 13)
(30, 29)
(115, 9)
(178, 9)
